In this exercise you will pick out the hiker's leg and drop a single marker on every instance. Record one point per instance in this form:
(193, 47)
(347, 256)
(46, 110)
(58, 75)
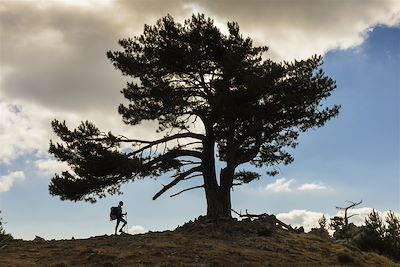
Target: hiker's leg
(116, 226)
(122, 227)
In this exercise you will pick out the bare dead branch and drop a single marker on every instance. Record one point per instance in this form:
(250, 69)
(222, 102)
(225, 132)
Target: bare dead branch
(352, 216)
(353, 204)
(237, 213)
(265, 215)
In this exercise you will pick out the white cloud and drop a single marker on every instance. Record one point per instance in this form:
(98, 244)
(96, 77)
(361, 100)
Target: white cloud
(311, 187)
(25, 128)
(68, 46)
(19, 134)
(284, 185)
(280, 185)
(7, 181)
(298, 29)
(305, 218)
(50, 166)
(137, 229)
(88, 4)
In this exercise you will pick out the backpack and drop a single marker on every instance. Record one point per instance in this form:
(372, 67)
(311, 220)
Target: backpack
(113, 213)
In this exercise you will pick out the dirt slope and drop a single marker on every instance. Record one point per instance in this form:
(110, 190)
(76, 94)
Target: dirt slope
(195, 244)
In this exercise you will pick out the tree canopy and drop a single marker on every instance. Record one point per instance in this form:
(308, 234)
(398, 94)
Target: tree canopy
(251, 109)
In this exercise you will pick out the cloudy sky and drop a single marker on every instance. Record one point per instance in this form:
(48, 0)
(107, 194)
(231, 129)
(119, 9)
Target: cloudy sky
(53, 65)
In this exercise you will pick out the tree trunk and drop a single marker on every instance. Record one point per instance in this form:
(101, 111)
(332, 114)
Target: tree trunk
(218, 202)
(218, 196)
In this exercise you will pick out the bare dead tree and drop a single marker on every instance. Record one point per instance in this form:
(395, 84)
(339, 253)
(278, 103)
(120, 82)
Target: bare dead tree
(351, 206)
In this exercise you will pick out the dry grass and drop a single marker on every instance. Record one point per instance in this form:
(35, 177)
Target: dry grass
(190, 248)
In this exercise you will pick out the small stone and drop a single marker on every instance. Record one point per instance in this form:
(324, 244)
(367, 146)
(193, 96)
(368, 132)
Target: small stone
(38, 239)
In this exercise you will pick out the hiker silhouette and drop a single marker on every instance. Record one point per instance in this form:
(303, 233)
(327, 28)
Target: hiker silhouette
(119, 217)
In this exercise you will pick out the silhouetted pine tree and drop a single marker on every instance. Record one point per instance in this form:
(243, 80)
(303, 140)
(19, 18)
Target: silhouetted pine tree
(2, 231)
(392, 235)
(251, 109)
(4, 237)
(373, 232)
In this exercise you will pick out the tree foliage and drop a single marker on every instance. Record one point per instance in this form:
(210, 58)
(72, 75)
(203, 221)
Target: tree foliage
(381, 235)
(322, 222)
(251, 110)
(377, 234)
(337, 224)
(392, 235)
(4, 237)
(2, 231)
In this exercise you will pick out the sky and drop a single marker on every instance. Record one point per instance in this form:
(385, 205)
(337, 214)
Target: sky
(53, 65)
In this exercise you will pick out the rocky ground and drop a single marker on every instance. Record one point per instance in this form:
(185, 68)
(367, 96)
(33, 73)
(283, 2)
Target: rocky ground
(262, 242)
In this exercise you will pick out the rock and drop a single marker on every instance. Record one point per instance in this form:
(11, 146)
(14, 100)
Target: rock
(299, 230)
(38, 239)
(321, 232)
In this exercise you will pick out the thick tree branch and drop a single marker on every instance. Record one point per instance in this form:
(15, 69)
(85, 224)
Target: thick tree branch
(202, 84)
(174, 154)
(168, 138)
(193, 163)
(118, 139)
(178, 178)
(248, 155)
(193, 176)
(187, 189)
(240, 157)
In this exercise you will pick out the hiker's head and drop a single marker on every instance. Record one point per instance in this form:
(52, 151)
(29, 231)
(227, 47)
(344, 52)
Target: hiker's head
(121, 203)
